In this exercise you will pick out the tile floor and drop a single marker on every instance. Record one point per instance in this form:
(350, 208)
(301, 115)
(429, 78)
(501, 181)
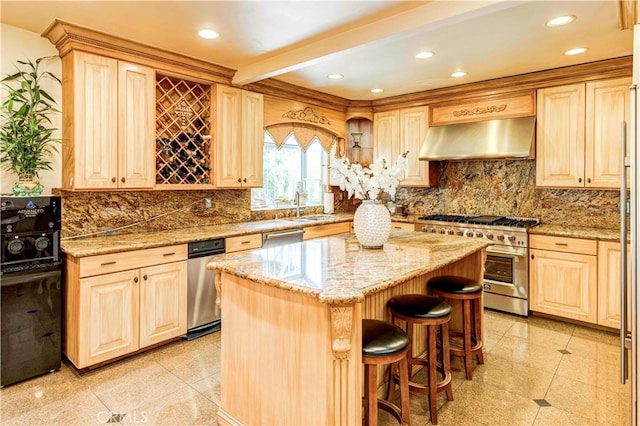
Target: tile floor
(537, 372)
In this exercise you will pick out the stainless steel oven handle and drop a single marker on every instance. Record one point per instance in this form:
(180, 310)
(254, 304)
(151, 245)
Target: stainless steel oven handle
(514, 252)
(21, 277)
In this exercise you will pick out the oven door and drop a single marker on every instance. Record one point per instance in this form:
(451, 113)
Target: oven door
(506, 271)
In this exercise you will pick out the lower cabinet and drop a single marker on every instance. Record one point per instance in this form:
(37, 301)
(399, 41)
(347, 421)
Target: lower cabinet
(576, 278)
(563, 277)
(126, 308)
(403, 226)
(318, 231)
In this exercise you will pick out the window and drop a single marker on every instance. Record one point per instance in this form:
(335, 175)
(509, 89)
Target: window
(289, 169)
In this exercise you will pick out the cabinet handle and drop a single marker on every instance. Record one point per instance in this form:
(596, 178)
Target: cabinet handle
(533, 256)
(169, 254)
(113, 179)
(588, 180)
(122, 180)
(245, 242)
(562, 244)
(579, 180)
(113, 262)
(244, 180)
(135, 279)
(239, 180)
(145, 277)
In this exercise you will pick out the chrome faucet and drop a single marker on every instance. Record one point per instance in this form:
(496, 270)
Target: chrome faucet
(296, 201)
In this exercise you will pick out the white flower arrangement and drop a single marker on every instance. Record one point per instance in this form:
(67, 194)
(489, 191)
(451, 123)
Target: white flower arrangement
(369, 183)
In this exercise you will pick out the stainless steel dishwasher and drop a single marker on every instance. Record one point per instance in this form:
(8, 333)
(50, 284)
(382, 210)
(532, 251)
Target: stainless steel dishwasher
(203, 314)
(280, 238)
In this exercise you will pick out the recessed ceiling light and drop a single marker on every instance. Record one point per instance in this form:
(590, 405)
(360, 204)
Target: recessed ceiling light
(576, 51)
(424, 55)
(209, 34)
(458, 74)
(335, 76)
(377, 90)
(561, 20)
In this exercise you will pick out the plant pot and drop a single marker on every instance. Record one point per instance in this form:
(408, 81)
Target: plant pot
(372, 224)
(27, 187)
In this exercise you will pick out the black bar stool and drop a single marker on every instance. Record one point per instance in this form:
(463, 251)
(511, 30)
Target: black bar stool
(384, 343)
(469, 292)
(420, 309)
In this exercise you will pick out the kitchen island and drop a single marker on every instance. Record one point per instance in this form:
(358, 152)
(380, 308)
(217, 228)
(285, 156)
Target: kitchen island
(291, 335)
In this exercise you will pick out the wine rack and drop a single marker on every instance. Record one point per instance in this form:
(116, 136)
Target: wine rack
(183, 123)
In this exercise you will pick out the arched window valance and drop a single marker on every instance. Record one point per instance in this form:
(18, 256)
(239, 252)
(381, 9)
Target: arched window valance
(305, 134)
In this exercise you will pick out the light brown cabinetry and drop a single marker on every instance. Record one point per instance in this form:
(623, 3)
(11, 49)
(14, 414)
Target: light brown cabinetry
(108, 114)
(609, 283)
(563, 277)
(326, 230)
(119, 303)
(579, 134)
(242, 242)
(240, 138)
(403, 226)
(398, 131)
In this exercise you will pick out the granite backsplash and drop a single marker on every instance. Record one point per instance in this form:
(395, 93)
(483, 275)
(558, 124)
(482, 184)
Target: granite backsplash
(494, 187)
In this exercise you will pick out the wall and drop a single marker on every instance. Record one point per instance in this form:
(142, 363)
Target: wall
(507, 188)
(18, 44)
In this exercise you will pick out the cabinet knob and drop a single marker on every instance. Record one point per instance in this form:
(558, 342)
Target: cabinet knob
(145, 277)
(122, 180)
(239, 180)
(244, 180)
(113, 179)
(588, 180)
(135, 279)
(579, 180)
(533, 256)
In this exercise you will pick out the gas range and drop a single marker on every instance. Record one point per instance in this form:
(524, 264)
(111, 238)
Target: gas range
(500, 230)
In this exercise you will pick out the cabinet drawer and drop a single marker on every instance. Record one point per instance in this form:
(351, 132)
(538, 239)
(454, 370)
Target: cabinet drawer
(563, 244)
(326, 230)
(243, 242)
(404, 226)
(116, 262)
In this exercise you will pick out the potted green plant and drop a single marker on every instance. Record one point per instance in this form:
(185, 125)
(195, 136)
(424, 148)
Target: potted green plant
(26, 142)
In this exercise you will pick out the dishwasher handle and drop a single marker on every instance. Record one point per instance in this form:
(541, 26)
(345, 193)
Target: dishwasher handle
(275, 238)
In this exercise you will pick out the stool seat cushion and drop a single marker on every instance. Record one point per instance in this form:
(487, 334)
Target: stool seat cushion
(455, 285)
(381, 338)
(419, 306)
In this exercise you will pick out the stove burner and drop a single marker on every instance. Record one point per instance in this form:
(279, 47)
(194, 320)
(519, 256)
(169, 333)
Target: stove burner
(483, 220)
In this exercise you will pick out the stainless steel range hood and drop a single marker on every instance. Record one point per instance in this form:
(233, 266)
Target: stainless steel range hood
(504, 138)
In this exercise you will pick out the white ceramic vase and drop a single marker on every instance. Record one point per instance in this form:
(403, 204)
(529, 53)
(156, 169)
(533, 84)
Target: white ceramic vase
(372, 224)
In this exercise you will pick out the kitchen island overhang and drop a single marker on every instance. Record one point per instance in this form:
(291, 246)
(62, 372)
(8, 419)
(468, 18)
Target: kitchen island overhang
(291, 339)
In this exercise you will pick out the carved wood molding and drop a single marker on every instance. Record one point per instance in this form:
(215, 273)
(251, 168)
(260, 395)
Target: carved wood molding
(216, 282)
(628, 14)
(307, 115)
(480, 110)
(341, 330)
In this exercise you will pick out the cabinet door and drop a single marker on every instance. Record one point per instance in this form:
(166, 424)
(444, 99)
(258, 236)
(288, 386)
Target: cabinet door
(163, 302)
(413, 129)
(560, 136)
(228, 155)
(386, 135)
(95, 106)
(136, 130)
(252, 139)
(564, 284)
(609, 284)
(607, 108)
(109, 317)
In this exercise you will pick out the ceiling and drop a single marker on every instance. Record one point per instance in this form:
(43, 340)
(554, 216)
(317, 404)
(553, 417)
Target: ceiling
(371, 43)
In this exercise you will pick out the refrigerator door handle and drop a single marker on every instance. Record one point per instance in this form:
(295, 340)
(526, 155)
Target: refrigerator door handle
(624, 333)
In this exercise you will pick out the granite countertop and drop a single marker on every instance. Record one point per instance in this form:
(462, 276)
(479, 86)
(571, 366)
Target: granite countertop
(576, 232)
(91, 246)
(337, 270)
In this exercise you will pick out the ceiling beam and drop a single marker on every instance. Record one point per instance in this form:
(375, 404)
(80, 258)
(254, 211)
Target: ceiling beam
(428, 15)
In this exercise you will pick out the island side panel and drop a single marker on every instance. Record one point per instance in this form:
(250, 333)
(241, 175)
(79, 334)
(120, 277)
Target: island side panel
(278, 365)
(375, 304)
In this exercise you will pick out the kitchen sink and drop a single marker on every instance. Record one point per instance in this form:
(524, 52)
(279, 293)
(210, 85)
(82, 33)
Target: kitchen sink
(315, 218)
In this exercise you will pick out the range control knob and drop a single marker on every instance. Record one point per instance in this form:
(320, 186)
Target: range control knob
(512, 238)
(443, 231)
(450, 232)
(489, 236)
(501, 237)
(469, 234)
(479, 234)
(15, 246)
(433, 230)
(461, 233)
(41, 243)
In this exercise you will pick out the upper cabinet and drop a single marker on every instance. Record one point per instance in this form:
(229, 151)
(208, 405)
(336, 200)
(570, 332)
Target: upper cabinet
(398, 131)
(579, 134)
(108, 112)
(240, 138)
